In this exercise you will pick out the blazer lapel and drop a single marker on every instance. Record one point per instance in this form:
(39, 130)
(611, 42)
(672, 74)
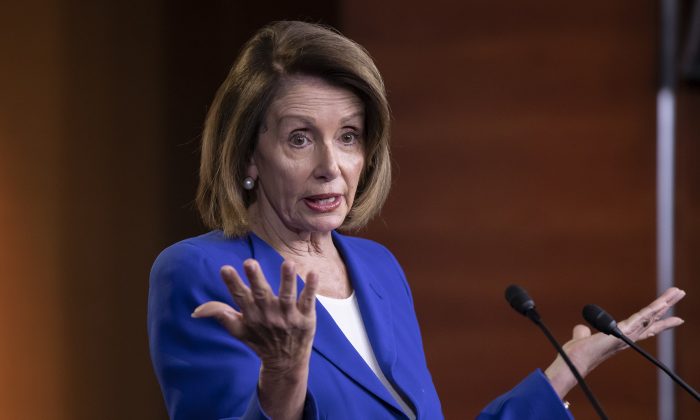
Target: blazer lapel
(329, 340)
(375, 305)
(376, 308)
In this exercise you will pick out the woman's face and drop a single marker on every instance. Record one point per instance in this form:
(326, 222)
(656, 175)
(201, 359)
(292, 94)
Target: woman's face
(309, 156)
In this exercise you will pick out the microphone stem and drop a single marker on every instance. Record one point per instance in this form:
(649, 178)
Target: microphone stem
(661, 366)
(594, 402)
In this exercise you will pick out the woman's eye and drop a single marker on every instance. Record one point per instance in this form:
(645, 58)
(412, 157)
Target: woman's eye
(349, 137)
(298, 140)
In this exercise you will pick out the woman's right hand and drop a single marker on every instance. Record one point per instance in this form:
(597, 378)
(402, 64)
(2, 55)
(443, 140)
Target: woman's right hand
(279, 329)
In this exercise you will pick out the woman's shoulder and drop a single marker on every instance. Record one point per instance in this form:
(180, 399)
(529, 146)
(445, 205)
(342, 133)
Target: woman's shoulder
(212, 246)
(213, 241)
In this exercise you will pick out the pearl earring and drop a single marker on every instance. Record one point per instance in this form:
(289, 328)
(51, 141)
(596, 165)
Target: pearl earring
(248, 183)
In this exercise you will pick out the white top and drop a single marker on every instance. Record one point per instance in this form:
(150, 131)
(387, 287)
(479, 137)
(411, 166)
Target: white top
(346, 313)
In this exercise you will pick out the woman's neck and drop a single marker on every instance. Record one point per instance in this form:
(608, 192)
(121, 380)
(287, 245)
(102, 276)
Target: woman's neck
(289, 242)
(310, 251)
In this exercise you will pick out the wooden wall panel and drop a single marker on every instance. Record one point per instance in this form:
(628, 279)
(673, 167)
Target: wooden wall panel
(524, 138)
(32, 325)
(688, 240)
(111, 204)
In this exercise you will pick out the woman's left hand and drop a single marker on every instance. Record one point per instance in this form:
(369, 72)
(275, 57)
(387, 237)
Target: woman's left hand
(587, 351)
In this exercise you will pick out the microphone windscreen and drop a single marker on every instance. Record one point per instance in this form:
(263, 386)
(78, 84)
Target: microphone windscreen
(599, 319)
(519, 299)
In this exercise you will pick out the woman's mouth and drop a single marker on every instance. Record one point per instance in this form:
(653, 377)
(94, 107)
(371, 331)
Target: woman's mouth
(323, 203)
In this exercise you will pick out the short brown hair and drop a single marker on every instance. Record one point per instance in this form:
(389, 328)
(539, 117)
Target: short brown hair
(231, 129)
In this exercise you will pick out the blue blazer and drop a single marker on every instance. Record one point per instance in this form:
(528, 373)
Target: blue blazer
(205, 373)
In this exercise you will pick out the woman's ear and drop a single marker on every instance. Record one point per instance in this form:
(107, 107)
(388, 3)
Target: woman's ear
(252, 169)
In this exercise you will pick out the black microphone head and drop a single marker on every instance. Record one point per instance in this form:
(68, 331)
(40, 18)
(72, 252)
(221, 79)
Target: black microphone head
(519, 299)
(600, 320)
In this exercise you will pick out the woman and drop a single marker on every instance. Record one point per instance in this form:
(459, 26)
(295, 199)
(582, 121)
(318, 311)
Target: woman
(295, 147)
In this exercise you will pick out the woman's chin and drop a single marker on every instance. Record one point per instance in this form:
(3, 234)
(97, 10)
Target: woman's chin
(323, 223)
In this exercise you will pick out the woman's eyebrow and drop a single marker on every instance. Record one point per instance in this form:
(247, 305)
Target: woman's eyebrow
(358, 114)
(295, 118)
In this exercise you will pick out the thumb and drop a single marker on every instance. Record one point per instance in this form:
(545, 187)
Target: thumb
(228, 317)
(581, 331)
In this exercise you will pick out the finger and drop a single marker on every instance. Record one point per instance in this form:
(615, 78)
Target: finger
(259, 287)
(226, 315)
(239, 291)
(661, 326)
(288, 291)
(307, 298)
(581, 331)
(656, 309)
(673, 295)
(664, 302)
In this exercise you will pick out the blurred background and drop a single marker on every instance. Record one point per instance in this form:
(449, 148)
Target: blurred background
(524, 143)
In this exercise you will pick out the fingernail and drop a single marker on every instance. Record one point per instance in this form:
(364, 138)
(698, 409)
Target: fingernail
(289, 270)
(196, 311)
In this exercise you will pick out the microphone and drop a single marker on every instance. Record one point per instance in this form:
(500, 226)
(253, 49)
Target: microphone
(605, 323)
(520, 300)
(523, 304)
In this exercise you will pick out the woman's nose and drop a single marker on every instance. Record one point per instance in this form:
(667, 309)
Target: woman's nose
(327, 165)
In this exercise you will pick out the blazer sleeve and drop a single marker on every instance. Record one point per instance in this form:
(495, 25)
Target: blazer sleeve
(532, 399)
(204, 373)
